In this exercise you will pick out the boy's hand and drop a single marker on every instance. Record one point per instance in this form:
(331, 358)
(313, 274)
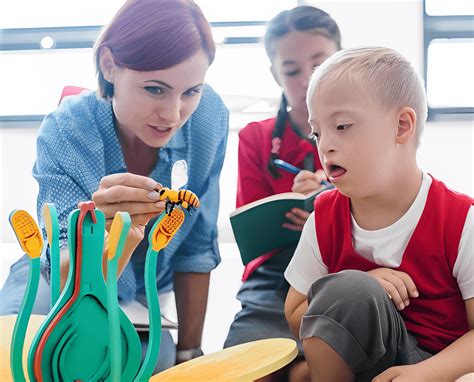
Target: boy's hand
(406, 373)
(306, 182)
(398, 285)
(297, 217)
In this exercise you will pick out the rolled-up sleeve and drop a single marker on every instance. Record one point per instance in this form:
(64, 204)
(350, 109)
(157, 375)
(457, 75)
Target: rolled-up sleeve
(56, 171)
(68, 168)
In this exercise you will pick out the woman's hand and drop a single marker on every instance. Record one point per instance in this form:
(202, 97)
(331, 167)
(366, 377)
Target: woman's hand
(306, 182)
(297, 217)
(130, 193)
(398, 285)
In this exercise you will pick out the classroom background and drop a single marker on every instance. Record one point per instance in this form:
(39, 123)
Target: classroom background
(47, 45)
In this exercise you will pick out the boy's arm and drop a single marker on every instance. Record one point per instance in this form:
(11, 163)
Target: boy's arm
(448, 365)
(296, 306)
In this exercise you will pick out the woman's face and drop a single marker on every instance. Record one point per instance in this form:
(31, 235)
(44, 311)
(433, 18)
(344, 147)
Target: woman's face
(296, 55)
(153, 105)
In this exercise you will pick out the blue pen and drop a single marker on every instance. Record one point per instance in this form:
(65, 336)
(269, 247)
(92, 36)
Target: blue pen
(286, 166)
(294, 170)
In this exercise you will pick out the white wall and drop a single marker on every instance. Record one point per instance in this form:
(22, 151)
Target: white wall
(18, 189)
(395, 24)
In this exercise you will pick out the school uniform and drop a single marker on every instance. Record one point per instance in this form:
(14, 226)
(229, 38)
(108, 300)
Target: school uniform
(349, 309)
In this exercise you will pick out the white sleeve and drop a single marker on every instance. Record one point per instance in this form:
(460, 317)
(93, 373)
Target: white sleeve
(306, 265)
(463, 269)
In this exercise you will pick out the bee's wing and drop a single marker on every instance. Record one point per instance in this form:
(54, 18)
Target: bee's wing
(179, 174)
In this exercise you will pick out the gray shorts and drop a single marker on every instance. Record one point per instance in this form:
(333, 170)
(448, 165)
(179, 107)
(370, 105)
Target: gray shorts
(351, 312)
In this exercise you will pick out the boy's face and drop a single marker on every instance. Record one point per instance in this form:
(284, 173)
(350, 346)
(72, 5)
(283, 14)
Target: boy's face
(356, 138)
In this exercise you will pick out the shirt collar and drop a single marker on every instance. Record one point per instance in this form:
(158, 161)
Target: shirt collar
(181, 138)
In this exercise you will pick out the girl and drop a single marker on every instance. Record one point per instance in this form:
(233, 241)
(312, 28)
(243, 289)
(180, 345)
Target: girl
(296, 41)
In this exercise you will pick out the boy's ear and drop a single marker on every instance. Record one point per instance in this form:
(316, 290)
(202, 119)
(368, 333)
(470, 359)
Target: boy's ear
(275, 76)
(107, 64)
(406, 125)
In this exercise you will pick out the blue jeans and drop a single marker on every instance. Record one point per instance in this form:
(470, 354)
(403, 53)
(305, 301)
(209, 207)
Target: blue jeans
(11, 297)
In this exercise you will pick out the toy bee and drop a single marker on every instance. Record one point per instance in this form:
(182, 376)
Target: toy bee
(174, 196)
(186, 198)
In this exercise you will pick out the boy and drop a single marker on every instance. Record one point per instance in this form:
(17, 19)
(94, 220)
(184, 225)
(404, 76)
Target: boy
(386, 260)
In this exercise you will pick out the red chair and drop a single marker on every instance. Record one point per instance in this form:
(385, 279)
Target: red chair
(71, 90)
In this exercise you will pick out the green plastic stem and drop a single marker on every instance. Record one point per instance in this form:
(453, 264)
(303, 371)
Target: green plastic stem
(54, 255)
(154, 312)
(21, 323)
(113, 306)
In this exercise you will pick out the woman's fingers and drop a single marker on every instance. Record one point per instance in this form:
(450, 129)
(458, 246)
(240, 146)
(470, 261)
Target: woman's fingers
(132, 193)
(120, 193)
(130, 180)
(133, 208)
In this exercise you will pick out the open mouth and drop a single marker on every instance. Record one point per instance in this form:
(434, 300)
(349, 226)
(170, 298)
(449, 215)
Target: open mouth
(159, 131)
(335, 172)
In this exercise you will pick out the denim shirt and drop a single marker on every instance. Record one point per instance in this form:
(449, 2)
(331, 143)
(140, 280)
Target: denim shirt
(77, 145)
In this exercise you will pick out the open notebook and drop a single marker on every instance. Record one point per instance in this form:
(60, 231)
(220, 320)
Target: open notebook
(138, 315)
(258, 226)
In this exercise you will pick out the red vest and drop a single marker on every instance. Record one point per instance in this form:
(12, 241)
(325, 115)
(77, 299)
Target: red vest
(438, 316)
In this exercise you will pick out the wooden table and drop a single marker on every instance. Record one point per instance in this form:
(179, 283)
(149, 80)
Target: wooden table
(245, 362)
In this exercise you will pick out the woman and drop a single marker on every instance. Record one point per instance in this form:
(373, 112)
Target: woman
(117, 145)
(296, 41)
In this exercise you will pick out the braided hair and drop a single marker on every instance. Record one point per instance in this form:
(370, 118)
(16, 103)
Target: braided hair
(277, 134)
(303, 18)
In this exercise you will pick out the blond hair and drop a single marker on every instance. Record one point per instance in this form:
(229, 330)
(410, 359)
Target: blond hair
(386, 76)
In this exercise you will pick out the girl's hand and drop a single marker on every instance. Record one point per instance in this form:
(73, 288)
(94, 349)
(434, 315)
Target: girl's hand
(398, 285)
(297, 217)
(306, 182)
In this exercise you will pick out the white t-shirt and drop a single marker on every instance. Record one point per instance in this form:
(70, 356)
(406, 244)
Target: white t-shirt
(384, 247)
